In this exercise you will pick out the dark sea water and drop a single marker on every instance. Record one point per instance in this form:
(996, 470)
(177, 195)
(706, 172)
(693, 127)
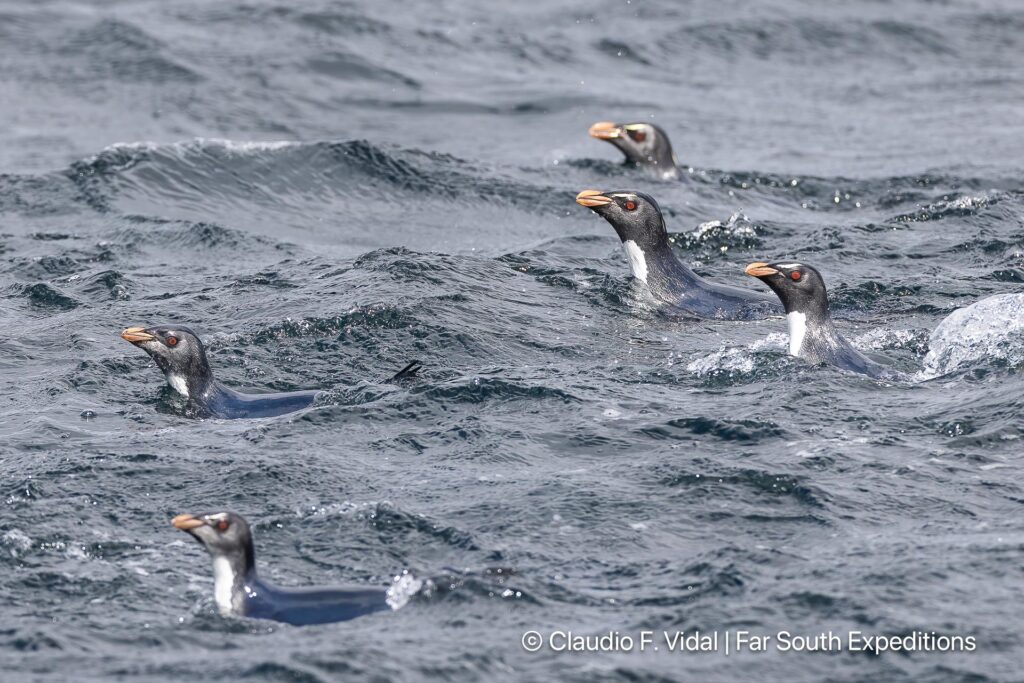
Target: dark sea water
(326, 190)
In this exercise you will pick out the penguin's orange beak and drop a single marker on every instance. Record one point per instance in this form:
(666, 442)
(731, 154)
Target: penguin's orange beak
(592, 198)
(136, 335)
(605, 130)
(760, 270)
(187, 522)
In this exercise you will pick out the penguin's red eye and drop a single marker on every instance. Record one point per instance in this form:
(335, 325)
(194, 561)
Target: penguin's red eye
(223, 525)
(638, 135)
(630, 206)
(172, 341)
(796, 275)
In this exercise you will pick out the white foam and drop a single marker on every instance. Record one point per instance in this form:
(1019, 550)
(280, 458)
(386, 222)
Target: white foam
(245, 145)
(969, 203)
(236, 146)
(728, 360)
(231, 145)
(17, 540)
(734, 360)
(879, 339)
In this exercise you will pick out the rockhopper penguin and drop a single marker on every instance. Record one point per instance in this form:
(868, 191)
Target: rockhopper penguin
(639, 223)
(644, 144)
(812, 334)
(238, 590)
(178, 352)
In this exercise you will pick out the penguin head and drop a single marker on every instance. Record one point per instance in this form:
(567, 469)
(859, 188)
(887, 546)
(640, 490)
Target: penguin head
(800, 287)
(177, 352)
(635, 216)
(644, 144)
(225, 535)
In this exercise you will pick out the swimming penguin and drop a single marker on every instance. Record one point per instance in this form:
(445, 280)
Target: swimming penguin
(179, 353)
(238, 590)
(812, 334)
(644, 144)
(638, 221)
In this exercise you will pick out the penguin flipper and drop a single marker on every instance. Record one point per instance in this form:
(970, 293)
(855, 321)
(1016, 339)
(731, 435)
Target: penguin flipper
(408, 372)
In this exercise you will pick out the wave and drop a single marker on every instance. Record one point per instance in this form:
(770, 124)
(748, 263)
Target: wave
(743, 483)
(802, 38)
(204, 170)
(110, 49)
(964, 205)
(724, 429)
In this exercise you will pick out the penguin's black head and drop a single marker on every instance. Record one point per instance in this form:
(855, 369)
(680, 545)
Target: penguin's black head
(178, 352)
(224, 535)
(800, 287)
(635, 216)
(644, 144)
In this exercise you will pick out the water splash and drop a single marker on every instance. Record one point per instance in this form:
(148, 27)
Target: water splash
(992, 328)
(736, 360)
(402, 589)
(880, 339)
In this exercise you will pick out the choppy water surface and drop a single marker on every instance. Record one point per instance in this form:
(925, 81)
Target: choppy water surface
(326, 190)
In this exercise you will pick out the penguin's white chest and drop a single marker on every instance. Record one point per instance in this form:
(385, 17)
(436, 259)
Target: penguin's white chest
(178, 383)
(637, 260)
(797, 331)
(223, 583)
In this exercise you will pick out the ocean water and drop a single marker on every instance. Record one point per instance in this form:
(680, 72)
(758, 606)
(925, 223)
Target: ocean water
(326, 190)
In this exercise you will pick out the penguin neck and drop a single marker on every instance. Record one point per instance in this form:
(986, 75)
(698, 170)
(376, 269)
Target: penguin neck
(811, 332)
(195, 382)
(665, 164)
(665, 160)
(234, 580)
(665, 169)
(659, 268)
(661, 161)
